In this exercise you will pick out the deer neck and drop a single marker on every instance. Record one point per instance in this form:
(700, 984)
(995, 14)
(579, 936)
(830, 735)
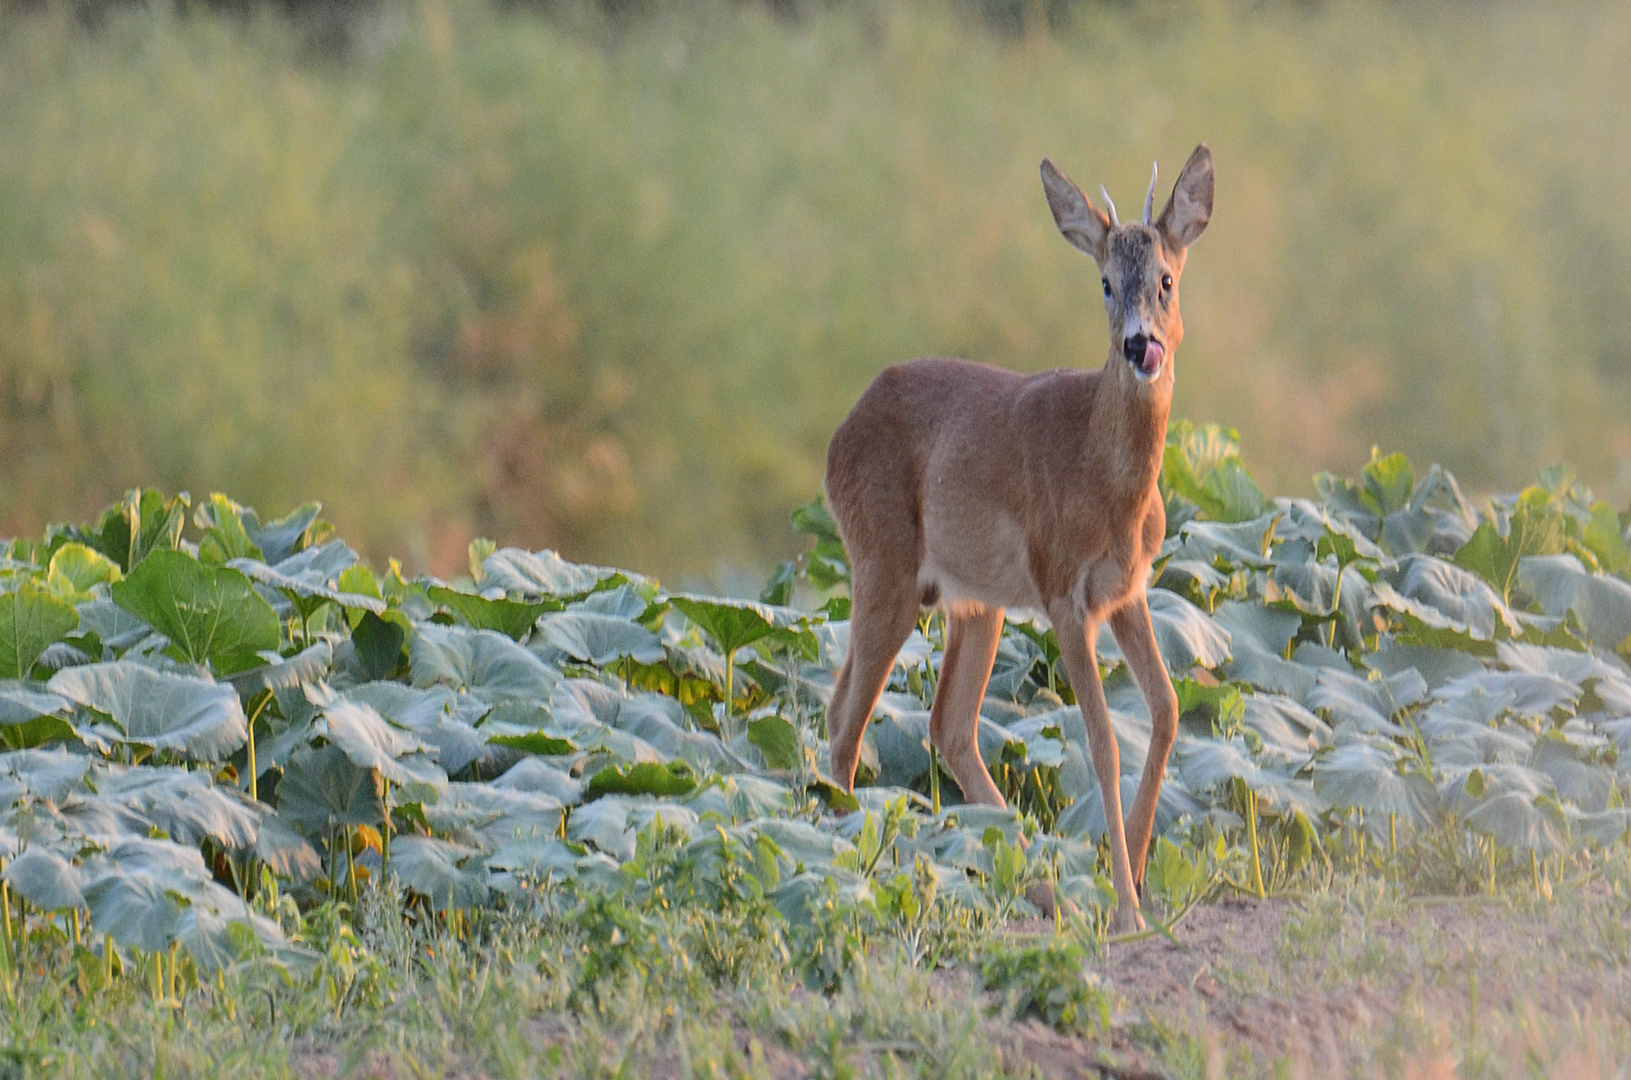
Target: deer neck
(1129, 428)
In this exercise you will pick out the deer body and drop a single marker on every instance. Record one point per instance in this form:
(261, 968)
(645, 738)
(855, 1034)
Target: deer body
(981, 490)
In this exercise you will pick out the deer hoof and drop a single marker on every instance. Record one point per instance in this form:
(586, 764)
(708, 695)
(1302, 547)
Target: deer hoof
(1041, 895)
(1126, 920)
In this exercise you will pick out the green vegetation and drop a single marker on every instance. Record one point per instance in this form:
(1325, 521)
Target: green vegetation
(263, 807)
(608, 286)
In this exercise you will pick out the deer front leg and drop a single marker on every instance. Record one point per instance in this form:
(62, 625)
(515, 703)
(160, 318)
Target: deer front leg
(1136, 637)
(1076, 643)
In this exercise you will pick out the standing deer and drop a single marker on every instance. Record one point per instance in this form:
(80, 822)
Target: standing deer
(978, 489)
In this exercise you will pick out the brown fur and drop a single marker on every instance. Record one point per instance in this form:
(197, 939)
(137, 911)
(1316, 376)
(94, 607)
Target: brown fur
(983, 490)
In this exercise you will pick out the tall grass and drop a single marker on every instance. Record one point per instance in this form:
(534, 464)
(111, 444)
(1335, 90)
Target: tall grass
(609, 288)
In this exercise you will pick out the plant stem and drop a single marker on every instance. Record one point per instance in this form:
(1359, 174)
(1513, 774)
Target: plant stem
(385, 837)
(5, 906)
(934, 780)
(254, 773)
(730, 680)
(351, 866)
(1251, 832)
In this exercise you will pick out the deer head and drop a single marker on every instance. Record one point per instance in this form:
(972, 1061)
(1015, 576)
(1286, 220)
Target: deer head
(1140, 262)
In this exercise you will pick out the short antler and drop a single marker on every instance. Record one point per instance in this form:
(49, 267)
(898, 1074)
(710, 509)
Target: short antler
(1149, 197)
(1110, 205)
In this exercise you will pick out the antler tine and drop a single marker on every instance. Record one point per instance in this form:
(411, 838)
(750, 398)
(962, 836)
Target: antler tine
(1110, 205)
(1149, 197)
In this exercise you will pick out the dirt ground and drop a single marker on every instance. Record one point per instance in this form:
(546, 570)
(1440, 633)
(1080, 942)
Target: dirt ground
(1299, 989)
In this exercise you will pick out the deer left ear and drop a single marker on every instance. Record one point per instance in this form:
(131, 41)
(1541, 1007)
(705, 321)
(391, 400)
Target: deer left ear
(1190, 207)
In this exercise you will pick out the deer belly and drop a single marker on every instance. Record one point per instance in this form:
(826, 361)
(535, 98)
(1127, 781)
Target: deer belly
(988, 565)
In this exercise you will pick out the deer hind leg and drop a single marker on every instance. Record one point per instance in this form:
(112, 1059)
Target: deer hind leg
(1136, 637)
(971, 646)
(884, 610)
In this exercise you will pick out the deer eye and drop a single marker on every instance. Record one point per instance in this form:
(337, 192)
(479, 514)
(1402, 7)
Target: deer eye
(1106, 282)
(1166, 282)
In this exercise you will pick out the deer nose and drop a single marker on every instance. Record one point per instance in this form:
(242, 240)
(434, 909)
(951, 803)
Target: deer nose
(1133, 349)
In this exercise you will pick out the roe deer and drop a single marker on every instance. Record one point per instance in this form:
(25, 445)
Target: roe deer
(978, 489)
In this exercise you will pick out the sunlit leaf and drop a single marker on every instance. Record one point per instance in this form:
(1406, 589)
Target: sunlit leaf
(211, 614)
(31, 618)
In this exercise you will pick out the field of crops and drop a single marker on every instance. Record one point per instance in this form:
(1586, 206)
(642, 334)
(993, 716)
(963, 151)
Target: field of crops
(270, 810)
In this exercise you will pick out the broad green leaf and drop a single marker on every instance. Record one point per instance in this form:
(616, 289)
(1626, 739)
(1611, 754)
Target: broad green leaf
(285, 851)
(185, 805)
(1209, 764)
(371, 743)
(307, 666)
(1527, 694)
(1605, 536)
(135, 910)
(538, 777)
(1519, 822)
(512, 618)
(285, 536)
(1435, 666)
(211, 614)
(224, 534)
(46, 879)
(1578, 778)
(534, 742)
(46, 774)
(75, 568)
(1366, 705)
(1202, 465)
(1289, 731)
(777, 739)
(735, 624)
(1228, 546)
(1601, 603)
(115, 627)
(654, 718)
(219, 930)
(674, 778)
(447, 875)
(307, 576)
(1534, 525)
(483, 662)
(30, 619)
(600, 639)
(379, 645)
(542, 574)
(1365, 776)
(322, 790)
(1446, 596)
(1388, 482)
(495, 814)
(143, 523)
(165, 710)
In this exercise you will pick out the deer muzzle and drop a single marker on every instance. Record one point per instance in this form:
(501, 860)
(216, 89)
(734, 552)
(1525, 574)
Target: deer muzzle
(1145, 354)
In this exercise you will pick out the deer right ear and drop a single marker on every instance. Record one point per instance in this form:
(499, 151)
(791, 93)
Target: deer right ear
(1079, 221)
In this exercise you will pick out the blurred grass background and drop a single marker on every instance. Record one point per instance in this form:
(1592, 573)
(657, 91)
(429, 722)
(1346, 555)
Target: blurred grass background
(606, 278)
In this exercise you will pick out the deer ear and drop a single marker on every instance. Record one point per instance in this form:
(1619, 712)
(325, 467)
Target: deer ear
(1079, 221)
(1190, 207)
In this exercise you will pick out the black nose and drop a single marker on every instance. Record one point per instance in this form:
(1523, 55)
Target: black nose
(1133, 349)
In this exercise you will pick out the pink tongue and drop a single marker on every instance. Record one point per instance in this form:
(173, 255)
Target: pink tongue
(1153, 353)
